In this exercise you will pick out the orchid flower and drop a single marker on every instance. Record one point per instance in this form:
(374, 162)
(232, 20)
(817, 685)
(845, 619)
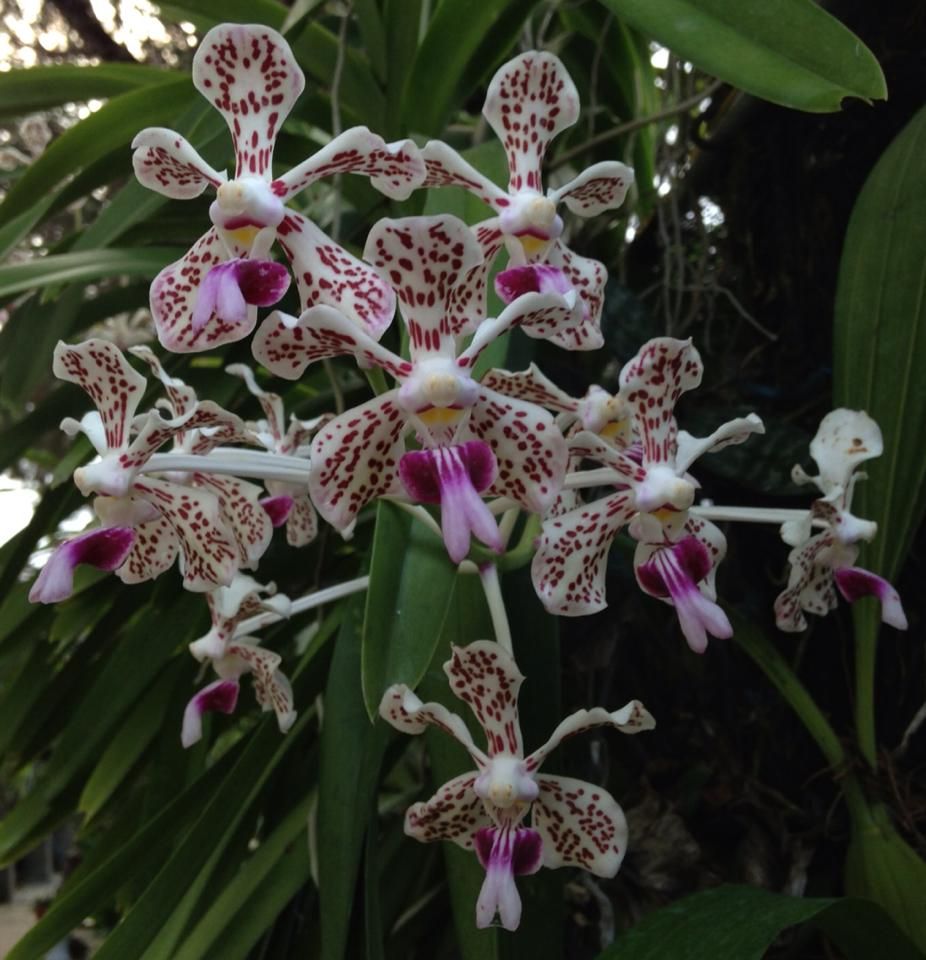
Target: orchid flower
(845, 439)
(573, 823)
(210, 296)
(233, 656)
(474, 440)
(288, 503)
(677, 554)
(529, 101)
(158, 518)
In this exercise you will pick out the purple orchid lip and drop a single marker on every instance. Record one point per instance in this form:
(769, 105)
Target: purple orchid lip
(531, 278)
(106, 549)
(229, 288)
(219, 697)
(454, 477)
(278, 508)
(854, 583)
(675, 572)
(505, 852)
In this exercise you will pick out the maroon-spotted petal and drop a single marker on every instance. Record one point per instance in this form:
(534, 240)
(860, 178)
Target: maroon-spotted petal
(166, 163)
(529, 101)
(854, 582)
(249, 74)
(219, 697)
(676, 572)
(105, 549)
(278, 508)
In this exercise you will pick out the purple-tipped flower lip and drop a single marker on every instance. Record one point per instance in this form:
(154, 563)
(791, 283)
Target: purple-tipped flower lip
(278, 508)
(105, 548)
(530, 278)
(418, 470)
(855, 583)
(220, 696)
(229, 288)
(692, 557)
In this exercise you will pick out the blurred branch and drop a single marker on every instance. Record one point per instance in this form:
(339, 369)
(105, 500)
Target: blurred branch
(96, 41)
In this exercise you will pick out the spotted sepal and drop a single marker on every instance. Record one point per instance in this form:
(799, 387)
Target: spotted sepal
(286, 345)
(271, 686)
(596, 189)
(166, 163)
(810, 586)
(454, 813)
(241, 513)
(153, 552)
(248, 73)
(652, 382)
(446, 168)
(327, 274)
(173, 298)
(182, 398)
(531, 386)
(101, 370)
(570, 565)
(395, 169)
(581, 825)
(403, 709)
(588, 278)
(467, 304)
(632, 717)
(302, 522)
(586, 445)
(355, 458)
(529, 447)
(423, 258)
(209, 554)
(486, 678)
(530, 100)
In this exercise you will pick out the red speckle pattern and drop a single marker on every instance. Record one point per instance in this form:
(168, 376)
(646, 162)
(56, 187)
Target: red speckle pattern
(454, 813)
(166, 162)
(153, 552)
(488, 680)
(423, 258)
(593, 193)
(530, 450)
(210, 555)
(173, 299)
(466, 301)
(581, 825)
(326, 273)
(446, 168)
(182, 398)
(100, 369)
(652, 383)
(571, 561)
(241, 514)
(249, 75)
(302, 523)
(272, 690)
(355, 458)
(530, 100)
(588, 278)
(811, 586)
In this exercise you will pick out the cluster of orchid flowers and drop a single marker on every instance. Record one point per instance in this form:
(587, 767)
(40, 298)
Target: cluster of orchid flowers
(485, 448)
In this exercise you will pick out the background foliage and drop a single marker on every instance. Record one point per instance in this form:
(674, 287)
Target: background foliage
(749, 159)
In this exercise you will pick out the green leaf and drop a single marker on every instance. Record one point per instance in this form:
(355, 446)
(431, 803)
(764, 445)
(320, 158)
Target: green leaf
(411, 585)
(740, 923)
(454, 48)
(26, 91)
(85, 265)
(112, 126)
(791, 52)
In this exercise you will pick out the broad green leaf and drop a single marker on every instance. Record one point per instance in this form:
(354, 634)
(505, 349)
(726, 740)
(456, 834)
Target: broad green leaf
(402, 20)
(26, 91)
(83, 266)
(113, 125)
(411, 585)
(740, 923)
(791, 52)
(452, 57)
(351, 754)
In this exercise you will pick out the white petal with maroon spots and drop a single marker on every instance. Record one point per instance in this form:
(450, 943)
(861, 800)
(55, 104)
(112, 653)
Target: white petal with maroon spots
(446, 168)
(423, 258)
(530, 100)
(486, 678)
(632, 717)
(286, 345)
(327, 274)
(241, 514)
(272, 688)
(302, 522)
(735, 431)
(844, 439)
(166, 163)
(454, 813)
(596, 189)
(588, 278)
(652, 383)
(153, 552)
(249, 74)
(467, 301)
(589, 446)
(395, 169)
(580, 824)
(571, 561)
(531, 385)
(404, 710)
(355, 458)
(182, 397)
(810, 584)
(209, 554)
(530, 450)
(114, 386)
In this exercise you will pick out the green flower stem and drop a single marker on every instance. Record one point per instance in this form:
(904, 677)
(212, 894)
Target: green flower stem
(766, 656)
(376, 379)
